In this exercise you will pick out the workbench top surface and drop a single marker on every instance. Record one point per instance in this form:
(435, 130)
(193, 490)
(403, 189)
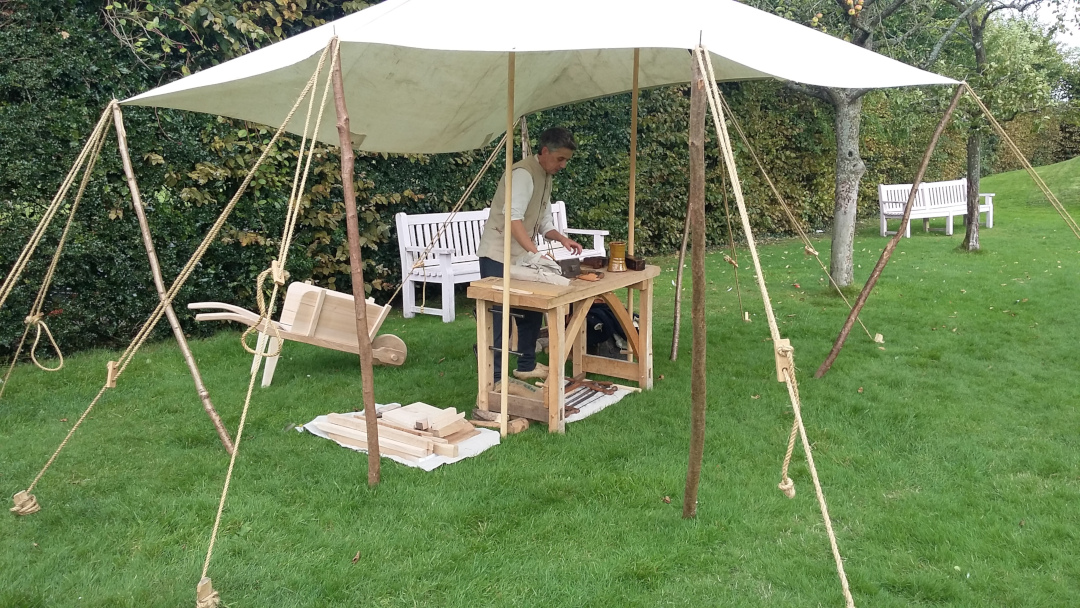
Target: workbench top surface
(531, 294)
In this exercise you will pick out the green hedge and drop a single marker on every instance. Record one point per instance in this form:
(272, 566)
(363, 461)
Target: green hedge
(63, 64)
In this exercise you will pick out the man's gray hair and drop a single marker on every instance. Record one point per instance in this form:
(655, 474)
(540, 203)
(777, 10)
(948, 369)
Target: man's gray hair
(556, 138)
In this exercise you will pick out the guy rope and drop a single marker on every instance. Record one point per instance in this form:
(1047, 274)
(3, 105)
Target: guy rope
(782, 347)
(36, 318)
(25, 501)
(206, 596)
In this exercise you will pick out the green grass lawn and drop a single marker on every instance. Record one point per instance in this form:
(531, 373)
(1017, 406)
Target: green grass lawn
(948, 457)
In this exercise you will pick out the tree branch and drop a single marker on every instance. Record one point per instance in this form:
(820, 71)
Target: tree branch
(951, 30)
(816, 92)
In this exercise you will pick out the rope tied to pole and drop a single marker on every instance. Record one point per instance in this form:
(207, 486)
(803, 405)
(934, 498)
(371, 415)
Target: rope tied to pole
(782, 349)
(205, 595)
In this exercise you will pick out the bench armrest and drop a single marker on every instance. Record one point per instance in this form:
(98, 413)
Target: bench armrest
(989, 196)
(435, 250)
(585, 231)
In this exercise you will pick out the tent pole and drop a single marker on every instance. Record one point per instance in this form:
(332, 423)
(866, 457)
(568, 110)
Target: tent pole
(159, 284)
(633, 151)
(696, 213)
(356, 265)
(504, 353)
(633, 181)
(891, 245)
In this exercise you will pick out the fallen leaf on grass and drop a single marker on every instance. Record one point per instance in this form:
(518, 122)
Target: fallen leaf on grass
(795, 285)
(860, 389)
(63, 420)
(755, 396)
(667, 501)
(661, 376)
(356, 557)
(443, 359)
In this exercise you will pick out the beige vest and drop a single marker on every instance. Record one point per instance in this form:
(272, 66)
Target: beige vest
(491, 242)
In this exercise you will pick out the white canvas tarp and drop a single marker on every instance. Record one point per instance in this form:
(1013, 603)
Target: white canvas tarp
(430, 75)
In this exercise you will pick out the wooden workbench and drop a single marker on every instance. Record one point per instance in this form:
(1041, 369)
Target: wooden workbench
(557, 302)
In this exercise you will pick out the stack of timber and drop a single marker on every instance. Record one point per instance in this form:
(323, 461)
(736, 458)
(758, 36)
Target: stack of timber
(411, 432)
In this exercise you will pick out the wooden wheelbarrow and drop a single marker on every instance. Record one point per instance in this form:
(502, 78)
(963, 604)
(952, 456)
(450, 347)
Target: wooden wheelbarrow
(313, 315)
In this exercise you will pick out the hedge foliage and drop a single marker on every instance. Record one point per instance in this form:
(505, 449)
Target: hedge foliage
(66, 59)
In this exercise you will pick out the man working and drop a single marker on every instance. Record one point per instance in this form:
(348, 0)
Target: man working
(530, 215)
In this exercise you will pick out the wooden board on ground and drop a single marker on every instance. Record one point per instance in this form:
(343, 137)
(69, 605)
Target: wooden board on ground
(385, 443)
(513, 427)
(463, 435)
(459, 424)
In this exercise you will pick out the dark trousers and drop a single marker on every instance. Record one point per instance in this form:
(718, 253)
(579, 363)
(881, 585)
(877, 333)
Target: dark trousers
(528, 326)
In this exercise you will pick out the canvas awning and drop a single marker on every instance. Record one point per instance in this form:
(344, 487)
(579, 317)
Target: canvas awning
(427, 76)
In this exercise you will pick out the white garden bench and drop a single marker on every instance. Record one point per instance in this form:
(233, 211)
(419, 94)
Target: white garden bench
(453, 259)
(934, 199)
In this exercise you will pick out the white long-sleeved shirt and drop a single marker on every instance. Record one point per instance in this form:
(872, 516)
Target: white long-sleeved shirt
(521, 191)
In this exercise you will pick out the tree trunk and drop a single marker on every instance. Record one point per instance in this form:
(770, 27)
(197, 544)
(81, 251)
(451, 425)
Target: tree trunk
(849, 171)
(974, 169)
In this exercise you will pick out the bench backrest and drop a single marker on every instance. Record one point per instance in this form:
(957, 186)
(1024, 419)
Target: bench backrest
(462, 234)
(931, 195)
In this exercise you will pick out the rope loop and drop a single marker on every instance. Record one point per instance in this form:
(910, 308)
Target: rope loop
(25, 504)
(265, 325)
(33, 348)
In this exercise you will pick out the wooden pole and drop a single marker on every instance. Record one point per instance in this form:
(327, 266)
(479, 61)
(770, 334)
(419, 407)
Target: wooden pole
(356, 265)
(504, 395)
(891, 245)
(678, 285)
(159, 284)
(697, 215)
(633, 151)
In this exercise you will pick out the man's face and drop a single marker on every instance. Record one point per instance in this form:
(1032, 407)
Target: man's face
(554, 161)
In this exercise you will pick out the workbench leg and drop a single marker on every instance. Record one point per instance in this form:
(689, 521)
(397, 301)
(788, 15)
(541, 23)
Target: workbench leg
(556, 380)
(630, 310)
(485, 364)
(580, 343)
(645, 356)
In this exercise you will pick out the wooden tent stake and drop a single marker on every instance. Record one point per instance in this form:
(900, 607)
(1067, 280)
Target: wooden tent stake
(887, 253)
(356, 265)
(159, 284)
(697, 313)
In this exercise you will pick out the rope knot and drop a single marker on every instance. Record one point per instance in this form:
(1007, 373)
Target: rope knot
(727, 258)
(810, 250)
(33, 319)
(25, 504)
(788, 487)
